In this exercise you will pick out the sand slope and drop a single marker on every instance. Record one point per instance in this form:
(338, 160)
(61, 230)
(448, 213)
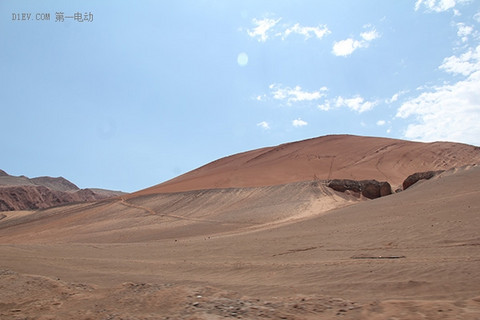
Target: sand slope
(174, 215)
(413, 254)
(296, 250)
(327, 157)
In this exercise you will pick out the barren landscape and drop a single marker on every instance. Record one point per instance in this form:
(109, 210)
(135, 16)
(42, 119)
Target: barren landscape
(23, 193)
(260, 235)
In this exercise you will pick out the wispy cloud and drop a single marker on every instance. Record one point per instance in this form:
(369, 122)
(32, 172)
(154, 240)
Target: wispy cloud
(464, 31)
(381, 122)
(267, 28)
(319, 32)
(465, 64)
(346, 47)
(395, 97)
(476, 17)
(438, 5)
(356, 103)
(450, 111)
(262, 28)
(299, 123)
(369, 35)
(296, 94)
(264, 125)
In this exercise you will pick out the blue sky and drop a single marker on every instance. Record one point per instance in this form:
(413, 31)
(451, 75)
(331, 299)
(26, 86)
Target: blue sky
(149, 90)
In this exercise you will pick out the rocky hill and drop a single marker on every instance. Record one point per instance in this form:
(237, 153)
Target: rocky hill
(23, 193)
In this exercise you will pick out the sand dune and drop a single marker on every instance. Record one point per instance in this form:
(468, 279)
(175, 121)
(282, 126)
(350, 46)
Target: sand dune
(321, 263)
(297, 250)
(327, 157)
(174, 215)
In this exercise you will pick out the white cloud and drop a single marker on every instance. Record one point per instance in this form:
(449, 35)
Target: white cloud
(465, 64)
(267, 28)
(370, 35)
(264, 124)
(356, 103)
(296, 94)
(262, 28)
(307, 32)
(393, 98)
(326, 106)
(449, 112)
(381, 122)
(299, 123)
(464, 31)
(348, 46)
(438, 5)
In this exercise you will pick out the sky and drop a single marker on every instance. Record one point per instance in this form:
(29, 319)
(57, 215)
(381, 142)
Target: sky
(124, 95)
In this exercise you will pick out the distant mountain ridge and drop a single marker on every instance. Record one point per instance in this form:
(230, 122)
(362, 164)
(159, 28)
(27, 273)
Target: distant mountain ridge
(23, 193)
(59, 184)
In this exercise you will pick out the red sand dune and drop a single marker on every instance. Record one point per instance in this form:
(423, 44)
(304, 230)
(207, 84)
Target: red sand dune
(327, 157)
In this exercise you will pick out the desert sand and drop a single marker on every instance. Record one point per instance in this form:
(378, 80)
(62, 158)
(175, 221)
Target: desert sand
(259, 250)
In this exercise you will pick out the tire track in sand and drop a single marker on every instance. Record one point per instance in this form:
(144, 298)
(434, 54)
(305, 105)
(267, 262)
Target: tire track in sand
(131, 205)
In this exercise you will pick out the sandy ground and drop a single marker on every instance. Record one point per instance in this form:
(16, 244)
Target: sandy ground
(294, 251)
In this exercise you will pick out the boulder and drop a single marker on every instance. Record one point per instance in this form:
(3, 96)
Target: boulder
(414, 178)
(371, 189)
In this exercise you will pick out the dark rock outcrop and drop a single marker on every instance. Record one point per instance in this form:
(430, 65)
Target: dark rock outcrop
(23, 193)
(31, 197)
(414, 178)
(40, 197)
(371, 189)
